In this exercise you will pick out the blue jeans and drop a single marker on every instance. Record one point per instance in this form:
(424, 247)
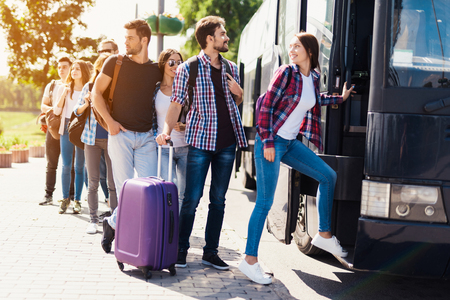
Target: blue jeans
(67, 149)
(198, 163)
(130, 151)
(295, 154)
(178, 169)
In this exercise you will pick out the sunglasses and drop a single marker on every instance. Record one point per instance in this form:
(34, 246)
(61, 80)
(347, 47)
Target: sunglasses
(172, 62)
(105, 51)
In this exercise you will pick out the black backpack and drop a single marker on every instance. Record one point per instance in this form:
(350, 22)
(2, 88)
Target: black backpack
(193, 72)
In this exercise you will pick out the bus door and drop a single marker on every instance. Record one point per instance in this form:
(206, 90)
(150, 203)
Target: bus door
(344, 31)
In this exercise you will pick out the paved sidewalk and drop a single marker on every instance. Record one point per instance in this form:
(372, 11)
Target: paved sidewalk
(44, 255)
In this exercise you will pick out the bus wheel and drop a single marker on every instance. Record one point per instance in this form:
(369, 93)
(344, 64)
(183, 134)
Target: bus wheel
(301, 236)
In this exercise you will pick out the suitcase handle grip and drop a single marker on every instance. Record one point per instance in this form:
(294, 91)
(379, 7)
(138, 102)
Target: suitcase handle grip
(170, 160)
(172, 223)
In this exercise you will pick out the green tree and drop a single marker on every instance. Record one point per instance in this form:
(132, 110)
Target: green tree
(37, 31)
(235, 12)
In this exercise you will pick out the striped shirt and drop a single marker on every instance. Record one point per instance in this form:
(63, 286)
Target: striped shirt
(201, 124)
(279, 102)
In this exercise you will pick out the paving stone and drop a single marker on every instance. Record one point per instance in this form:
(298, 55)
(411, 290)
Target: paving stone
(46, 255)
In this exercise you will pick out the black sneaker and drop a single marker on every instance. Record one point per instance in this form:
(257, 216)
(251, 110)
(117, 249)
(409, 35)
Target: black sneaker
(104, 215)
(212, 259)
(48, 200)
(108, 237)
(181, 260)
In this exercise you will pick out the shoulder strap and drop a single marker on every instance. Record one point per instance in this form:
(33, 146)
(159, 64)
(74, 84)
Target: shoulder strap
(193, 72)
(227, 67)
(289, 77)
(114, 81)
(228, 70)
(52, 87)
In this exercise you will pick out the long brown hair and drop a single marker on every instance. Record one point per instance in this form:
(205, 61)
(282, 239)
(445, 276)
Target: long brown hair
(85, 74)
(164, 57)
(98, 64)
(311, 46)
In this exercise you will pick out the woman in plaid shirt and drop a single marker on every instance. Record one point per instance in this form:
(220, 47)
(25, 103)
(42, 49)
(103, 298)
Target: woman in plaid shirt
(290, 108)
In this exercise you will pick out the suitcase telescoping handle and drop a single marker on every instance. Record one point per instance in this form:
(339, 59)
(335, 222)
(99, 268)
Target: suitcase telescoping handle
(170, 159)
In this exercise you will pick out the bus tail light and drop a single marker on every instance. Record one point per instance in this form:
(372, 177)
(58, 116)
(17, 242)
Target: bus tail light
(375, 199)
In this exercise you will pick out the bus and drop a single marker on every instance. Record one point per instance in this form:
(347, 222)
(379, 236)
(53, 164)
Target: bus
(389, 144)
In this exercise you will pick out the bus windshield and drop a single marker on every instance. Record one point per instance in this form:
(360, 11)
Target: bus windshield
(420, 46)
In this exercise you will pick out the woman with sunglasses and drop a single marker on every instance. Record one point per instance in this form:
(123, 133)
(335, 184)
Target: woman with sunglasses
(168, 62)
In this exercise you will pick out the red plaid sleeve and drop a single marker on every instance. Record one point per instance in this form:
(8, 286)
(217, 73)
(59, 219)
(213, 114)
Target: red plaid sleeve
(270, 108)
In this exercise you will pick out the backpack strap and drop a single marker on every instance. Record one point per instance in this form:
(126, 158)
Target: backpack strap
(114, 81)
(228, 70)
(52, 87)
(91, 85)
(193, 72)
(289, 77)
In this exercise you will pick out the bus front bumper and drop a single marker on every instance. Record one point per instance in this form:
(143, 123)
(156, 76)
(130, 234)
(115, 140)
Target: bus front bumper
(402, 248)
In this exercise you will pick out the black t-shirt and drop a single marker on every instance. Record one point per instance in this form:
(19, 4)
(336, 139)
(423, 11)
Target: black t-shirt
(225, 132)
(133, 96)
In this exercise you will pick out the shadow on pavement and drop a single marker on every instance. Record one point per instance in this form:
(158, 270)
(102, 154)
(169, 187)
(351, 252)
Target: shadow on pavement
(205, 282)
(368, 286)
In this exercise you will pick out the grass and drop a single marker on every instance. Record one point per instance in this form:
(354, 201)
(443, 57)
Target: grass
(21, 125)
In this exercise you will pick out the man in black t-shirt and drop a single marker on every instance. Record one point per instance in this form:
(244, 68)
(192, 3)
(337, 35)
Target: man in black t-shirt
(131, 144)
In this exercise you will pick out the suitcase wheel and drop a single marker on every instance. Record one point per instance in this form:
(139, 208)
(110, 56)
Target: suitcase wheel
(147, 273)
(172, 270)
(120, 264)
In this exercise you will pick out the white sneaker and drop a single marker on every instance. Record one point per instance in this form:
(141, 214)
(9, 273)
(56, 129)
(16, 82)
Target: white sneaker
(331, 245)
(92, 228)
(255, 273)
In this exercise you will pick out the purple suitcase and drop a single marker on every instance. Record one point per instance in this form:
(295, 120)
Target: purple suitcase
(147, 223)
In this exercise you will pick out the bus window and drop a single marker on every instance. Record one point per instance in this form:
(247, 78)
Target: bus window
(320, 23)
(420, 46)
(288, 26)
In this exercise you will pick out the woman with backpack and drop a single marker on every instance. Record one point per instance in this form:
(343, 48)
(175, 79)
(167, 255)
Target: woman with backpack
(95, 139)
(168, 62)
(78, 76)
(292, 107)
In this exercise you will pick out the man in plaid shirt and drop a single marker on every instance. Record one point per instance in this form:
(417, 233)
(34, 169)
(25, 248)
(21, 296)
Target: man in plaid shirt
(213, 129)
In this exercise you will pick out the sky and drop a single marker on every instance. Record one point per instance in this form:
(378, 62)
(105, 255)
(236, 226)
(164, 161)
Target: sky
(107, 17)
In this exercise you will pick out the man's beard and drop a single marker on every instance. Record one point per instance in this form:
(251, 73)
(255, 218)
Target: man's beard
(221, 49)
(135, 51)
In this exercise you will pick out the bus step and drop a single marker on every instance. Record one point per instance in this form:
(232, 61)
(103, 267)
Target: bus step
(347, 262)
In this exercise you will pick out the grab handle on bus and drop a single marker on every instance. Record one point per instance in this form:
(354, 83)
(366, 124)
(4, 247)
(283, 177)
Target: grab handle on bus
(348, 103)
(436, 105)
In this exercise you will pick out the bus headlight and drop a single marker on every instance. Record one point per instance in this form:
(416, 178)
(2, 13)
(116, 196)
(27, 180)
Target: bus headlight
(375, 199)
(419, 194)
(424, 202)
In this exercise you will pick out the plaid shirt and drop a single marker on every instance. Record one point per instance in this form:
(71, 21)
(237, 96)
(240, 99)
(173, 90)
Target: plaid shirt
(201, 124)
(88, 135)
(279, 103)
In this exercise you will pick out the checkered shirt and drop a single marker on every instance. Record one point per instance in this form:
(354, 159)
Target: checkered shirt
(201, 124)
(88, 135)
(279, 102)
